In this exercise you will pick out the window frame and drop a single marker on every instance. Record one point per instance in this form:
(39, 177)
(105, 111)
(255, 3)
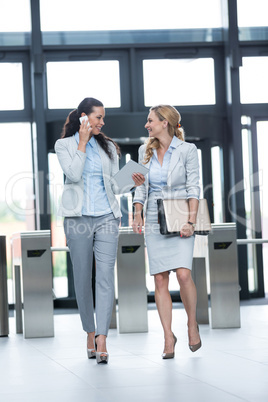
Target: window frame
(24, 114)
(93, 55)
(183, 53)
(258, 110)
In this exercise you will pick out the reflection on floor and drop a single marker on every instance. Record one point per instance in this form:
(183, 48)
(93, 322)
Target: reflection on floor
(231, 366)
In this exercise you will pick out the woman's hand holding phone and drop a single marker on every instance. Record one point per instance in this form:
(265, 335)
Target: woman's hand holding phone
(84, 131)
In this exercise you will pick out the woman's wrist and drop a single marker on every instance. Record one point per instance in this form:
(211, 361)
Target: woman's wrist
(84, 141)
(137, 213)
(193, 224)
(82, 146)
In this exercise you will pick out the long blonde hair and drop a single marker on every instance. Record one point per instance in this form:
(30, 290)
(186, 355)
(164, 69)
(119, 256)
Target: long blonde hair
(173, 117)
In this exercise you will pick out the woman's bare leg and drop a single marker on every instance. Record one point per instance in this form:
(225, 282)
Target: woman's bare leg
(164, 307)
(189, 299)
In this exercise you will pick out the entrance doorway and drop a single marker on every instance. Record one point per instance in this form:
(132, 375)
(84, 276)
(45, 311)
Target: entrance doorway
(262, 142)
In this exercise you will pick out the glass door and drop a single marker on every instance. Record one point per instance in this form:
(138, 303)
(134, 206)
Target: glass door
(262, 143)
(17, 200)
(59, 258)
(255, 166)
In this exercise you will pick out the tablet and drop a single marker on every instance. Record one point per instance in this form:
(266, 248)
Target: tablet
(124, 179)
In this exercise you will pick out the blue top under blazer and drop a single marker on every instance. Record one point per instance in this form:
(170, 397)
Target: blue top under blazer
(72, 162)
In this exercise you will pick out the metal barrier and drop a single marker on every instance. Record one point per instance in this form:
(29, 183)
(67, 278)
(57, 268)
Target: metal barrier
(223, 269)
(223, 272)
(113, 324)
(199, 270)
(32, 273)
(200, 280)
(132, 292)
(241, 242)
(4, 328)
(220, 262)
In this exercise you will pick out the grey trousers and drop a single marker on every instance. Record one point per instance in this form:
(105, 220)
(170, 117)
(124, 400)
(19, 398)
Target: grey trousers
(85, 234)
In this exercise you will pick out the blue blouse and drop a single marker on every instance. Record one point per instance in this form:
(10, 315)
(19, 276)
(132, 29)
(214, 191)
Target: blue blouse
(158, 174)
(95, 201)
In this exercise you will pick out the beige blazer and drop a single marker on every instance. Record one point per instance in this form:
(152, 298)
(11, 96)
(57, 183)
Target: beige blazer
(183, 174)
(72, 162)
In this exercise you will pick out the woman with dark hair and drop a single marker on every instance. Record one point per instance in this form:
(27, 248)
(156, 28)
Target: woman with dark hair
(173, 173)
(89, 160)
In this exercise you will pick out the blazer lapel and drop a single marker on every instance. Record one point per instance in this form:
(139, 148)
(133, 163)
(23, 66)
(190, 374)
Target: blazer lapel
(175, 157)
(148, 164)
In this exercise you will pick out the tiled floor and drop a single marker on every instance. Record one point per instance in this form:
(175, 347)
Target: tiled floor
(231, 366)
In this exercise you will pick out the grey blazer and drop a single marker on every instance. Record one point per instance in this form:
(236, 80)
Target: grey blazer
(72, 162)
(183, 174)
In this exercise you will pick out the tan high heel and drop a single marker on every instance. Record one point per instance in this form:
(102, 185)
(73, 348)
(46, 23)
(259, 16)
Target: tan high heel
(172, 354)
(194, 348)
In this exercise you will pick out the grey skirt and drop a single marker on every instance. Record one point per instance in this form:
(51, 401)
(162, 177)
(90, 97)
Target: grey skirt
(165, 252)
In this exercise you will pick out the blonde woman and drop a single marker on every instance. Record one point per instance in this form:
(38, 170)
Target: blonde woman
(173, 173)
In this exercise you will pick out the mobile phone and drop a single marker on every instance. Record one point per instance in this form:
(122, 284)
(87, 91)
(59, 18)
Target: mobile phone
(84, 118)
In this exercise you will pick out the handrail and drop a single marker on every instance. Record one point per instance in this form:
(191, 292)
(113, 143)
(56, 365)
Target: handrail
(251, 241)
(59, 249)
(240, 242)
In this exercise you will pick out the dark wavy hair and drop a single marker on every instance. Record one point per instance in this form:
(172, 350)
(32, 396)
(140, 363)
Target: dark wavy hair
(72, 124)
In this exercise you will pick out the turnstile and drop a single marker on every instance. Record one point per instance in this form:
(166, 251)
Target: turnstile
(132, 292)
(199, 275)
(200, 280)
(32, 273)
(4, 328)
(224, 285)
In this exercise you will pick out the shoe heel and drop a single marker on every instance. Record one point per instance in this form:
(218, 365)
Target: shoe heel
(91, 353)
(102, 357)
(166, 356)
(175, 340)
(194, 348)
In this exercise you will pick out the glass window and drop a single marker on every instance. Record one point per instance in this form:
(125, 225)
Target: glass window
(199, 152)
(253, 80)
(251, 14)
(68, 83)
(179, 82)
(15, 16)
(11, 86)
(17, 212)
(249, 207)
(262, 138)
(59, 261)
(86, 15)
(217, 184)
